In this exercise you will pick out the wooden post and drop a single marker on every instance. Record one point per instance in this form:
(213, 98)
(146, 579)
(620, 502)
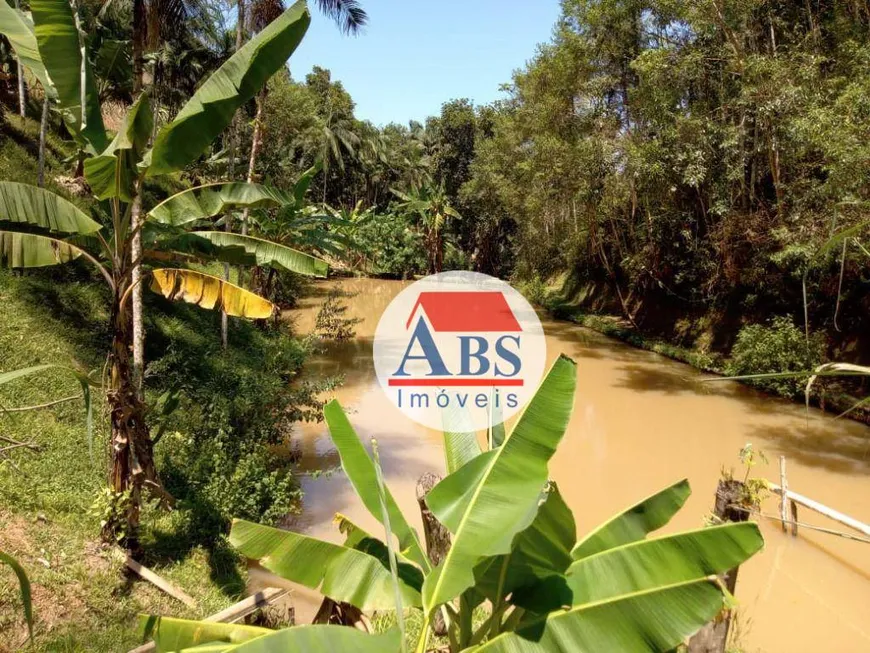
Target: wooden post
(783, 504)
(163, 584)
(437, 537)
(713, 637)
(341, 614)
(794, 519)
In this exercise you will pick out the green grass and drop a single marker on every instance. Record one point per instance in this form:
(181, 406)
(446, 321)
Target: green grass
(619, 328)
(214, 458)
(83, 602)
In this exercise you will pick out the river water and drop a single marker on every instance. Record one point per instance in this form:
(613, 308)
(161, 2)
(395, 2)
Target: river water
(641, 422)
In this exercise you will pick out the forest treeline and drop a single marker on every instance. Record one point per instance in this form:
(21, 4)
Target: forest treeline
(691, 158)
(685, 163)
(682, 164)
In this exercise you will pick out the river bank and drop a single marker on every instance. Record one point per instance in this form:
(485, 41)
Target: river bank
(565, 302)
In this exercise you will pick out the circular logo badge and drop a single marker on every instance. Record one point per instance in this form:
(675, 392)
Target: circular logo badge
(459, 351)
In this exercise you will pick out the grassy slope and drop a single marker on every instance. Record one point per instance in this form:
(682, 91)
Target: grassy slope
(84, 601)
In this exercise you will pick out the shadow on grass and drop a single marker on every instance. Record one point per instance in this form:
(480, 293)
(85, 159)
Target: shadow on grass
(235, 405)
(68, 299)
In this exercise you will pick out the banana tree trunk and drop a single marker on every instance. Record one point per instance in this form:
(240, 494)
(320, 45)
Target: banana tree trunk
(20, 70)
(252, 162)
(140, 31)
(43, 126)
(138, 323)
(132, 449)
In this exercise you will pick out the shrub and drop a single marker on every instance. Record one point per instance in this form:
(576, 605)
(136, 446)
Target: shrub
(331, 322)
(534, 290)
(392, 246)
(778, 347)
(236, 408)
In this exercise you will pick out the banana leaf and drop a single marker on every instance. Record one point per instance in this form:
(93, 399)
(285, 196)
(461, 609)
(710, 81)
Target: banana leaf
(178, 634)
(203, 202)
(323, 639)
(210, 292)
(61, 50)
(300, 188)
(645, 565)
(84, 381)
(26, 204)
(18, 29)
(169, 244)
(269, 254)
(505, 500)
(635, 523)
(643, 622)
(360, 540)
(341, 573)
(360, 470)
(113, 173)
(460, 440)
(496, 432)
(541, 551)
(19, 250)
(24, 588)
(213, 105)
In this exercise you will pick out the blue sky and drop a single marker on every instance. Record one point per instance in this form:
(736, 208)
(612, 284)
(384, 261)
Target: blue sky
(415, 55)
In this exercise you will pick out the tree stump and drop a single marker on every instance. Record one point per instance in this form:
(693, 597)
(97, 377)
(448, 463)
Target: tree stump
(713, 637)
(437, 537)
(338, 613)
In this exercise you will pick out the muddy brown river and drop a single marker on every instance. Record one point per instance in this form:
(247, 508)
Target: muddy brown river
(640, 423)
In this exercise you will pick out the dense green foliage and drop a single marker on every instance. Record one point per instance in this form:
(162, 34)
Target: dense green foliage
(692, 157)
(681, 164)
(779, 347)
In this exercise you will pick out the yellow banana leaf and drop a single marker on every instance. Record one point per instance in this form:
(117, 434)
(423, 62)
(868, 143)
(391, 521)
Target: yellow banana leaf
(210, 292)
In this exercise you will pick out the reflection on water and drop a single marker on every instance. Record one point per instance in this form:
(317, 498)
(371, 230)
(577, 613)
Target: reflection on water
(640, 422)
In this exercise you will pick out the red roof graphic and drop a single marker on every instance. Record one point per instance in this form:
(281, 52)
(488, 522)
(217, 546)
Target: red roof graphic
(466, 311)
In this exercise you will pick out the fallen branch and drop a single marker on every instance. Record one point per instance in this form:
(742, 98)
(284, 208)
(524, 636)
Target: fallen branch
(18, 445)
(164, 585)
(22, 409)
(821, 529)
(15, 444)
(822, 509)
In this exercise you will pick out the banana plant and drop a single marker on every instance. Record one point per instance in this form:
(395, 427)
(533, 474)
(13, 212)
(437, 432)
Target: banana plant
(39, 228)
(514, 552)
(430, 207)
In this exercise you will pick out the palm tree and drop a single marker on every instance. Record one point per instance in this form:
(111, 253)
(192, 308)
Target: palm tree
(430, 206)
(351, 18)
(337, 139)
